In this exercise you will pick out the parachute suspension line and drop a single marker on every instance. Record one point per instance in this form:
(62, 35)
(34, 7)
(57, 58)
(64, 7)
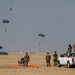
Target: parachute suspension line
(5, 21)
(11, 5)
(41, 35)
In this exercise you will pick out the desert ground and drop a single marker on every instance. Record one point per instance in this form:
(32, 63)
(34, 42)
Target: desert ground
(9, 66)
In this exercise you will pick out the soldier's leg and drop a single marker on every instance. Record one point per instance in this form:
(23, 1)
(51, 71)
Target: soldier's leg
(27, 64)
(24, 64)
(54, 62)
(47, 63)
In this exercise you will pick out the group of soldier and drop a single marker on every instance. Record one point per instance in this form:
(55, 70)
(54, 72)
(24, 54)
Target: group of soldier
(26, 59)
(48, 57)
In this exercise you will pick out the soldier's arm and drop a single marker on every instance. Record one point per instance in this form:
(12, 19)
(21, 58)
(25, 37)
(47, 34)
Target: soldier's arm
(50, 57)
(46, 57)
(28, 57)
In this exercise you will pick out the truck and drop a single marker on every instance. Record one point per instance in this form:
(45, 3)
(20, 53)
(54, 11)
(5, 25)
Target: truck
(68, 60)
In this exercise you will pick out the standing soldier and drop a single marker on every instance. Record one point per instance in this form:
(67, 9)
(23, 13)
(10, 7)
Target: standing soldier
(69, 48)
(26, 60)
(55, 55)
(48, 58)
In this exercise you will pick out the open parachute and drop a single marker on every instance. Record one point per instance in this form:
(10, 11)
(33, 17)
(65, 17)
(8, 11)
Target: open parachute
(41, 35)
(1, 47)
(5, 22)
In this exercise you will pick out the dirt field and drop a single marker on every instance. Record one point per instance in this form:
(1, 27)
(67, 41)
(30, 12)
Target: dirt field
(9, 66)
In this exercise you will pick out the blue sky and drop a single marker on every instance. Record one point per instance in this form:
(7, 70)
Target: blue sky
(28, 18)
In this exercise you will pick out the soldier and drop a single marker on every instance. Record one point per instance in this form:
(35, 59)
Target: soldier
(55, 55)
(48, 58)
(26, 60)
(69, 48)
(21, 61)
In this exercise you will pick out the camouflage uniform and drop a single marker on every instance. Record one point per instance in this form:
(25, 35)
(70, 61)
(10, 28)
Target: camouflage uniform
(26, 60)
(55, 55)
(69, 48)
(48, 58)
(67, 52)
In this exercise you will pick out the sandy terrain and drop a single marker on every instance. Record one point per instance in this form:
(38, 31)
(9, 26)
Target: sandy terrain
(8, 66)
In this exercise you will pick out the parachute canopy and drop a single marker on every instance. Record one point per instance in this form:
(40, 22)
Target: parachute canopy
(1, 47)
(5, 21)
(41, 35)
